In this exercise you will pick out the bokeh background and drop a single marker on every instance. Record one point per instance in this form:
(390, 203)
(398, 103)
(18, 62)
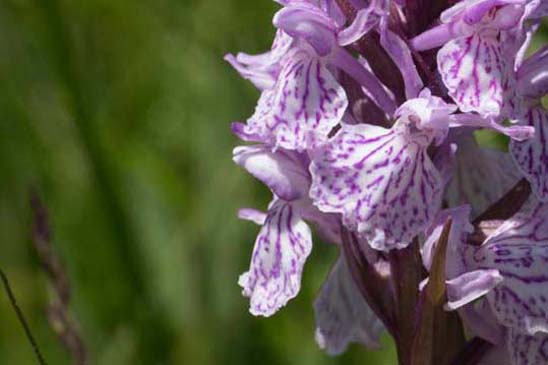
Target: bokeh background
(117, 112)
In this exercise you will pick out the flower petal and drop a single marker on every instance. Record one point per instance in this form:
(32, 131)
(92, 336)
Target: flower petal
(401, 55)
(252, 215)
(365, 20)
(472, 69)
(281, 249)
(342, 314)
(480, 320)
(263, 69)
(539, 9)
(470, 286)
(308, 22)
(284, 172)
(527, 350)
(531, 155)
(519, 251)
(381, 181)
(306, 103)
(460, 228)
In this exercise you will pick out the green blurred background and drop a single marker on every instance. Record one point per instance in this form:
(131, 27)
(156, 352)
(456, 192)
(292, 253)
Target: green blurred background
(118, 113)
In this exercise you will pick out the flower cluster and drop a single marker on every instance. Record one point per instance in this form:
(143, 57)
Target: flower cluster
(366, 128)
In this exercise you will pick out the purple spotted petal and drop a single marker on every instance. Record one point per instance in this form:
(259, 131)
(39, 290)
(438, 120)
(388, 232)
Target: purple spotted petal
(531, 155)
(519, 251)
(284, 172)
(381, 181)
(472, 71)
(342, 314)
(281, 249)
(306, 103)
(528, 350)
(469, 17)
(255, 130)
(481, 176)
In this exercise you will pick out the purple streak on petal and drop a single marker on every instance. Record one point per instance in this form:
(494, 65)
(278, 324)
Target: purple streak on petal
(282, 171)
(381, 181)
(473, 11)
(281, 249)
(467, 18)
(401, 55)
(343, 60)
(472, 70)
(304, 106)
(342, 314)
(531, 155)
(507, 14)
(519, 251)
(246, 132)
(527, 350)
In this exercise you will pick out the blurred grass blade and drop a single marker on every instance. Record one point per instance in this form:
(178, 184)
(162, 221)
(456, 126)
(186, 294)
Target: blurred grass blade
(21, 318)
